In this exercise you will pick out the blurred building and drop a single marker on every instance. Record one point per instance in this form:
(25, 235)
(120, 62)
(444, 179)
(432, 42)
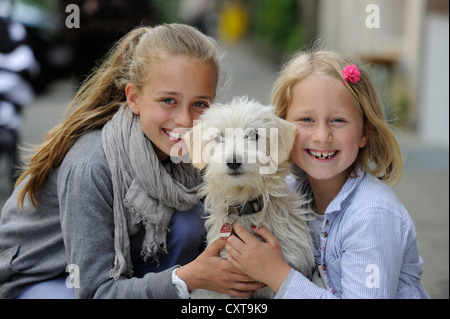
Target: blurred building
(102, 23)
(410, 41)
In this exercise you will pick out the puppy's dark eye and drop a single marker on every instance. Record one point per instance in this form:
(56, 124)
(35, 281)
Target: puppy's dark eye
(252, 135)
(218, 138)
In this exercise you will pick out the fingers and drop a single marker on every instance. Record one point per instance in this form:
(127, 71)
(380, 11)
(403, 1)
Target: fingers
(266, 235)
(216, 247)
(234, 283)
(239, 243)
(244, 290)
(247, 237)
(243, 233)
(243, 286)
(212, 272)
(232, 255)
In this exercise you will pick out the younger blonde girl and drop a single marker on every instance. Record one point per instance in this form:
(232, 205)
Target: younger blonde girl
(345, 155)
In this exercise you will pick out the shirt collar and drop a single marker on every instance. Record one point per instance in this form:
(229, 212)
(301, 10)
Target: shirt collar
(299, 182)
(347, 190)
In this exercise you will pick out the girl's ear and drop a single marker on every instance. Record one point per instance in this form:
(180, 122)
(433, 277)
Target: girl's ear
(368, 127)
(131, 92)
(363, 141)
(286, 137)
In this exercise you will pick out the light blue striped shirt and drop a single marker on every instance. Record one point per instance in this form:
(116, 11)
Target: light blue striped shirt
(368, 246)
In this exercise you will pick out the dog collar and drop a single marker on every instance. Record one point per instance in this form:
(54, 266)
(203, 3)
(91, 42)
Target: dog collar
(248, 208)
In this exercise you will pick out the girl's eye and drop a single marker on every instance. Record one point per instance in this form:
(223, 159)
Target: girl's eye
(306, 119)
(338, 120)
(201, 104)
(168, 101)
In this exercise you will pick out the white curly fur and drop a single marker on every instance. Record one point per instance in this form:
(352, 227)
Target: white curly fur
(282, 211)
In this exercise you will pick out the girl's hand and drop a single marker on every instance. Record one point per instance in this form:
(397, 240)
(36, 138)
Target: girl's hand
(262, 261)
(212, 272)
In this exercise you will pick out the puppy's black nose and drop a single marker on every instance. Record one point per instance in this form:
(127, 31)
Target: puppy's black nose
(234, 162)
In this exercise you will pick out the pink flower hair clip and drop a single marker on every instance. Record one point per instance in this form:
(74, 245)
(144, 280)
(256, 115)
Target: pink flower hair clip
(351, 73)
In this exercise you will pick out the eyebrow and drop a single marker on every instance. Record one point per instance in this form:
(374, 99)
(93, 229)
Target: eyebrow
(206, 97)
(169, 93)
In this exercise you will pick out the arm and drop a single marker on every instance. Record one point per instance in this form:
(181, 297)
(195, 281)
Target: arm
(374, 246)
(212, 272)
(85, 197)
(366, 264)
(264, 262)
(364, 260)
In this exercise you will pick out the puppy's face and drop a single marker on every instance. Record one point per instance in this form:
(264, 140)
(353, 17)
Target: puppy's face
(239, 142)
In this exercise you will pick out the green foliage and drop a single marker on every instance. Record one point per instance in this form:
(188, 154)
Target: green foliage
(44, 4)
(168, 10)
(277, 22)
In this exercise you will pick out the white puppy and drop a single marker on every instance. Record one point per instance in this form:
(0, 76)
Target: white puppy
(244, 149)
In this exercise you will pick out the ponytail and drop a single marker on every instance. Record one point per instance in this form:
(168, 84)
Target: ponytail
(95, 103)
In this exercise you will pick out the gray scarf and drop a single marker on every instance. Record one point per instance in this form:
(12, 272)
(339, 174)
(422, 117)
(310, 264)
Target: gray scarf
(145, 192)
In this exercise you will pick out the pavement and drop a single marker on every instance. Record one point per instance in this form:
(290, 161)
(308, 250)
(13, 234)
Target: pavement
(424, 188)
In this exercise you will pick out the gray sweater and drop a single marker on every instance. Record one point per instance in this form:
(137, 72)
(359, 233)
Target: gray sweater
(74, 224)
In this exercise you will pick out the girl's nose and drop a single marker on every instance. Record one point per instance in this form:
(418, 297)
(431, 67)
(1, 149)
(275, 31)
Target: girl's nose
(183, 117)
(322, 133)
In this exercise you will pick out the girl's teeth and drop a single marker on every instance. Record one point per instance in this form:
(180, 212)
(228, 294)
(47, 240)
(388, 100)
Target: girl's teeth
(322, 155)
(175, 135)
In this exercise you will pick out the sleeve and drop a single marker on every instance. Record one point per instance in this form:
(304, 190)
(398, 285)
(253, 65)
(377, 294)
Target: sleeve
(86, 201)
(297, 286)
(368, 264)
(373, 249)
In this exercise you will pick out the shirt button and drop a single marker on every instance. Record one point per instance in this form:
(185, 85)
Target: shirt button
(325, 234)
(327, 222)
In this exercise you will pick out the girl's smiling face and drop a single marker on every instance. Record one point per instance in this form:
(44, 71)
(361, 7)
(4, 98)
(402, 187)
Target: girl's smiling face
(176, 93)
(330, 127)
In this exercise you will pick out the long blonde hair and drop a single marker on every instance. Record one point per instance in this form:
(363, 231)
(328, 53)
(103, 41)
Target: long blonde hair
(103, 92)
(382, 155)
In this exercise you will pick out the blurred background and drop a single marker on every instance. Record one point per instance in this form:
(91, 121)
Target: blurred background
(48, 47)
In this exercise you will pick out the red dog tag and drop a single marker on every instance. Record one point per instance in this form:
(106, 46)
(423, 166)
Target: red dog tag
(225, 231)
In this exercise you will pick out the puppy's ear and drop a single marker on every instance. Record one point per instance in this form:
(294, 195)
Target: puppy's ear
(286, 137)
(194, 142)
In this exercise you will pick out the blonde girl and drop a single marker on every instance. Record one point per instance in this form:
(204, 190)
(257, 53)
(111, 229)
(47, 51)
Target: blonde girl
(101, 207)
(345, 155)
